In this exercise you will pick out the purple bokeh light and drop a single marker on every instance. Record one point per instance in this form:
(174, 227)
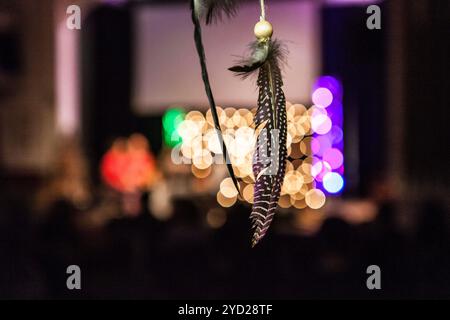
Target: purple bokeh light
(327, 123)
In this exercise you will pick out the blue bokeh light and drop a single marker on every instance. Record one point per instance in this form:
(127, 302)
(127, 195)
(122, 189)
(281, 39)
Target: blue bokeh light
(333, 182)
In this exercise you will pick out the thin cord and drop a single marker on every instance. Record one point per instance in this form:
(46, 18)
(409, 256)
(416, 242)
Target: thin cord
(263, 10)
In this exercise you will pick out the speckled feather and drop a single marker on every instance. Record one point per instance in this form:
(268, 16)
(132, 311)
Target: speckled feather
(269, 160)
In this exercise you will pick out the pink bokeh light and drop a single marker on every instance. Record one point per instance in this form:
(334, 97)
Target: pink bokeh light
(321, 124)
(334, 157)
(322, 97)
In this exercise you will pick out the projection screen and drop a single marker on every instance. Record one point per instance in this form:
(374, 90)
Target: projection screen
(167, 72)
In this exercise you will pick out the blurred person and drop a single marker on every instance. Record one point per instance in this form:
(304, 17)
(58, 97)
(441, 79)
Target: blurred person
(69, 180)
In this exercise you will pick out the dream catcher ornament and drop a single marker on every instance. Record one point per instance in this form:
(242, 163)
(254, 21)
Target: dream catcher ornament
(270, 155)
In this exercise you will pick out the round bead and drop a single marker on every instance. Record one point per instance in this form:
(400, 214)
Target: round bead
(263, 29)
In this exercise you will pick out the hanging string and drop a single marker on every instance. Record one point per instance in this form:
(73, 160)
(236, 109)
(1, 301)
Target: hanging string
(263, 10)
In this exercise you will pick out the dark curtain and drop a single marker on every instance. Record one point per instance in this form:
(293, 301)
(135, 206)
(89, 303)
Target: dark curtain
(356, 55)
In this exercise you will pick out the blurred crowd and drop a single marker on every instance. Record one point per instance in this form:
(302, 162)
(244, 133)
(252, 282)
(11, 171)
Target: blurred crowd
(138, 256)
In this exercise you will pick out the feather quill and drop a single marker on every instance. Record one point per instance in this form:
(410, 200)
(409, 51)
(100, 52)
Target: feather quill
(212, 10)
(269, 159)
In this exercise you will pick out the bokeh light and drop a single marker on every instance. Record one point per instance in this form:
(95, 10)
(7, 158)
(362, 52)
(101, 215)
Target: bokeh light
(322, 97)
(321, 123)
(224, 201)
(315, 198)
(334, 157)
(327, 143)
(227, 188)
(172, 118)
(310, 138)
(333, 182)
(216, 218)
(129, 165)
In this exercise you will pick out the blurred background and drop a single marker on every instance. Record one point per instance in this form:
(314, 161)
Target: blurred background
(90, 120)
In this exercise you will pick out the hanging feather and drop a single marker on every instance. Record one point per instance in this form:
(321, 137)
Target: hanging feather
(213, 10)
(269, 159)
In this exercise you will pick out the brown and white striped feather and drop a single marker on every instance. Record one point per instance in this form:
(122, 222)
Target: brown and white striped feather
(269, 176)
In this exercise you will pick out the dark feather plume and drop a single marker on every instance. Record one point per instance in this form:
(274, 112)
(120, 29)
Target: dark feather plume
(271, 51)
(260, 53)
(205, 78)
(269, 159)
(214, 10)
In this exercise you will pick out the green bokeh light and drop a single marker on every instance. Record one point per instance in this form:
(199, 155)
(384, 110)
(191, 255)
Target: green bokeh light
(171, 120)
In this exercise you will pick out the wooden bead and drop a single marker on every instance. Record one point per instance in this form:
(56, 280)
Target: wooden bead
(263, 30)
